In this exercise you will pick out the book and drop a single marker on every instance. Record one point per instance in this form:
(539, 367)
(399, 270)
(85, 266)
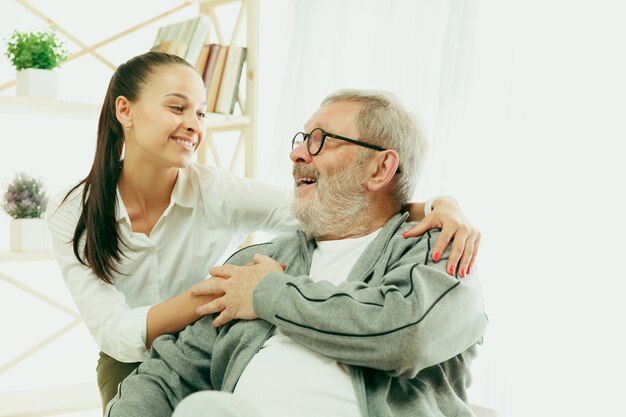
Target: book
(174, 47)
(215, 80)
(202, 60)
(158, 40)
(196, 38)
(209, 68)
(166, 39)
(184, 38)
(229, 86)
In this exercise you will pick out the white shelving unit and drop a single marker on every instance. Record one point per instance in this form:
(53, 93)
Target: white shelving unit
(246, 124)
(28, 105)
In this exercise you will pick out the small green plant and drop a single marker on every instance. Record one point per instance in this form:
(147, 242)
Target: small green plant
(25, 197)
(35, 50)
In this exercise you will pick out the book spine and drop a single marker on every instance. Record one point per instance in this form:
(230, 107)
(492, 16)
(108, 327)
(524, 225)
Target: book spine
(230, 80)
(216, 78)
(197, 38)
(202, 60)
(242, 59)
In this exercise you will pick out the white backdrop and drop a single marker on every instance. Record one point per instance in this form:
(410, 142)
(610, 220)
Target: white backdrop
(524, 105)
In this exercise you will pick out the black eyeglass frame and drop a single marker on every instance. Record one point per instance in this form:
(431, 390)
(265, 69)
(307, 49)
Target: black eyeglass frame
(332, 135)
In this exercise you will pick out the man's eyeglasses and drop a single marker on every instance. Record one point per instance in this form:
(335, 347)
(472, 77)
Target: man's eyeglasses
(315, 141)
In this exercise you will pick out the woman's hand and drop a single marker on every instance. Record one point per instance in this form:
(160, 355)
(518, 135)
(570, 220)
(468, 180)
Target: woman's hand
(447, 216)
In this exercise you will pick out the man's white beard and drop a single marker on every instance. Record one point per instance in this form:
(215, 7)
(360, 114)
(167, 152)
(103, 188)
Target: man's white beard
(333, 208)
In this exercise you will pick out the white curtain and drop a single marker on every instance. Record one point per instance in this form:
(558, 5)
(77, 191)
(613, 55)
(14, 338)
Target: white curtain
(417, 49)
(524, 105)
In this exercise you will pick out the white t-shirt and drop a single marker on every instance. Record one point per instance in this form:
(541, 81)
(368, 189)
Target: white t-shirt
(285, 379)
(210, 213)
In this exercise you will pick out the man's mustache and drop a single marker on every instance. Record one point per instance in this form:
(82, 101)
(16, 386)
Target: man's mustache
(302, 170)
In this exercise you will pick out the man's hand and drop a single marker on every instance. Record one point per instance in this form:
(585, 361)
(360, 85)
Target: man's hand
(236, 285)
(447, 216)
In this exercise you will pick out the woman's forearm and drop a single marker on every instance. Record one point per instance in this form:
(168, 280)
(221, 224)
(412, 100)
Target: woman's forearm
(417, 210)
(174, 314)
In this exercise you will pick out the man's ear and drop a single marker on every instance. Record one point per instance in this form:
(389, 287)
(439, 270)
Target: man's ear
(387, 163)
(123, 112)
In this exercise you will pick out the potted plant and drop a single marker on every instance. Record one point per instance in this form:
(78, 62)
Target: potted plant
(25, 200)
(34, 56)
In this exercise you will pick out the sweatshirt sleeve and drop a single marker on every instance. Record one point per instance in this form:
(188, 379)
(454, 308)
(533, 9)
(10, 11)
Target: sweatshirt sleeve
(119, 330)
(410, 315)
(178, 366)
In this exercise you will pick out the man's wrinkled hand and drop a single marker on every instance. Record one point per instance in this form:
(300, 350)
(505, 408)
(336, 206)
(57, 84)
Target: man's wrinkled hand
(236, 286)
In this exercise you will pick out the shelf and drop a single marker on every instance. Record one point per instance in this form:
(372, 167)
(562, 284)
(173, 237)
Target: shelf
(40, 106)
(213, 2)
(11, 256)
(48, 401)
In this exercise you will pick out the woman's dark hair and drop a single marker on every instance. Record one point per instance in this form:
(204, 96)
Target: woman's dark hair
(99, 197)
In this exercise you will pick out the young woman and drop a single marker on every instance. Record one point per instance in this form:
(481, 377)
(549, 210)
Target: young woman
(146, 224)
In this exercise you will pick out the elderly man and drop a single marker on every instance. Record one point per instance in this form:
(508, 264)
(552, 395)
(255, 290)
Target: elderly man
(345, 318)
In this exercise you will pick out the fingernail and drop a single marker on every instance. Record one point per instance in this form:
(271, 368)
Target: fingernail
(469, 269)
(283, 266)
(451, 270)
(463, 273)
(436, 257)
(405, 234)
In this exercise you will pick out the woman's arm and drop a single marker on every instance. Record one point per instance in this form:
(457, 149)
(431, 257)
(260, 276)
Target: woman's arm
(123, 332)
(247, 205)
(174, 315)
(257, 205)
(118, 329)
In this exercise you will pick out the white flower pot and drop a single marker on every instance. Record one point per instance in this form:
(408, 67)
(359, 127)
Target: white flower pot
(34, 82)
(29, 235)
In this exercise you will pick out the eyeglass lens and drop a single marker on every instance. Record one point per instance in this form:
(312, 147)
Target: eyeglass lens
(315, 141)
(297, 140)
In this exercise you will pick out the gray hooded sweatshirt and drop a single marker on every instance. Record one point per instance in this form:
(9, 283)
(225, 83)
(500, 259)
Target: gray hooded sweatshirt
(405, 328)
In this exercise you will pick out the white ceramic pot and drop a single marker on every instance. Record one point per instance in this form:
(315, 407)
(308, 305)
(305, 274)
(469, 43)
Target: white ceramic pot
(34, 82)
(29, 235)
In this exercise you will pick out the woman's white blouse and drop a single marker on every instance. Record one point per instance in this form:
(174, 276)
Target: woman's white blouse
(211, 211)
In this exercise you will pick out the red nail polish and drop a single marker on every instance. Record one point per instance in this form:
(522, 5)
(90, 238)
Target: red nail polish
(436, 257)
(463, 273)
(469, 269)
(283, 266)
(451, 270)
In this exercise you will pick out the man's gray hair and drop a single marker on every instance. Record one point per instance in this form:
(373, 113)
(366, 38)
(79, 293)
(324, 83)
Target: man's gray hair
(384, 121)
